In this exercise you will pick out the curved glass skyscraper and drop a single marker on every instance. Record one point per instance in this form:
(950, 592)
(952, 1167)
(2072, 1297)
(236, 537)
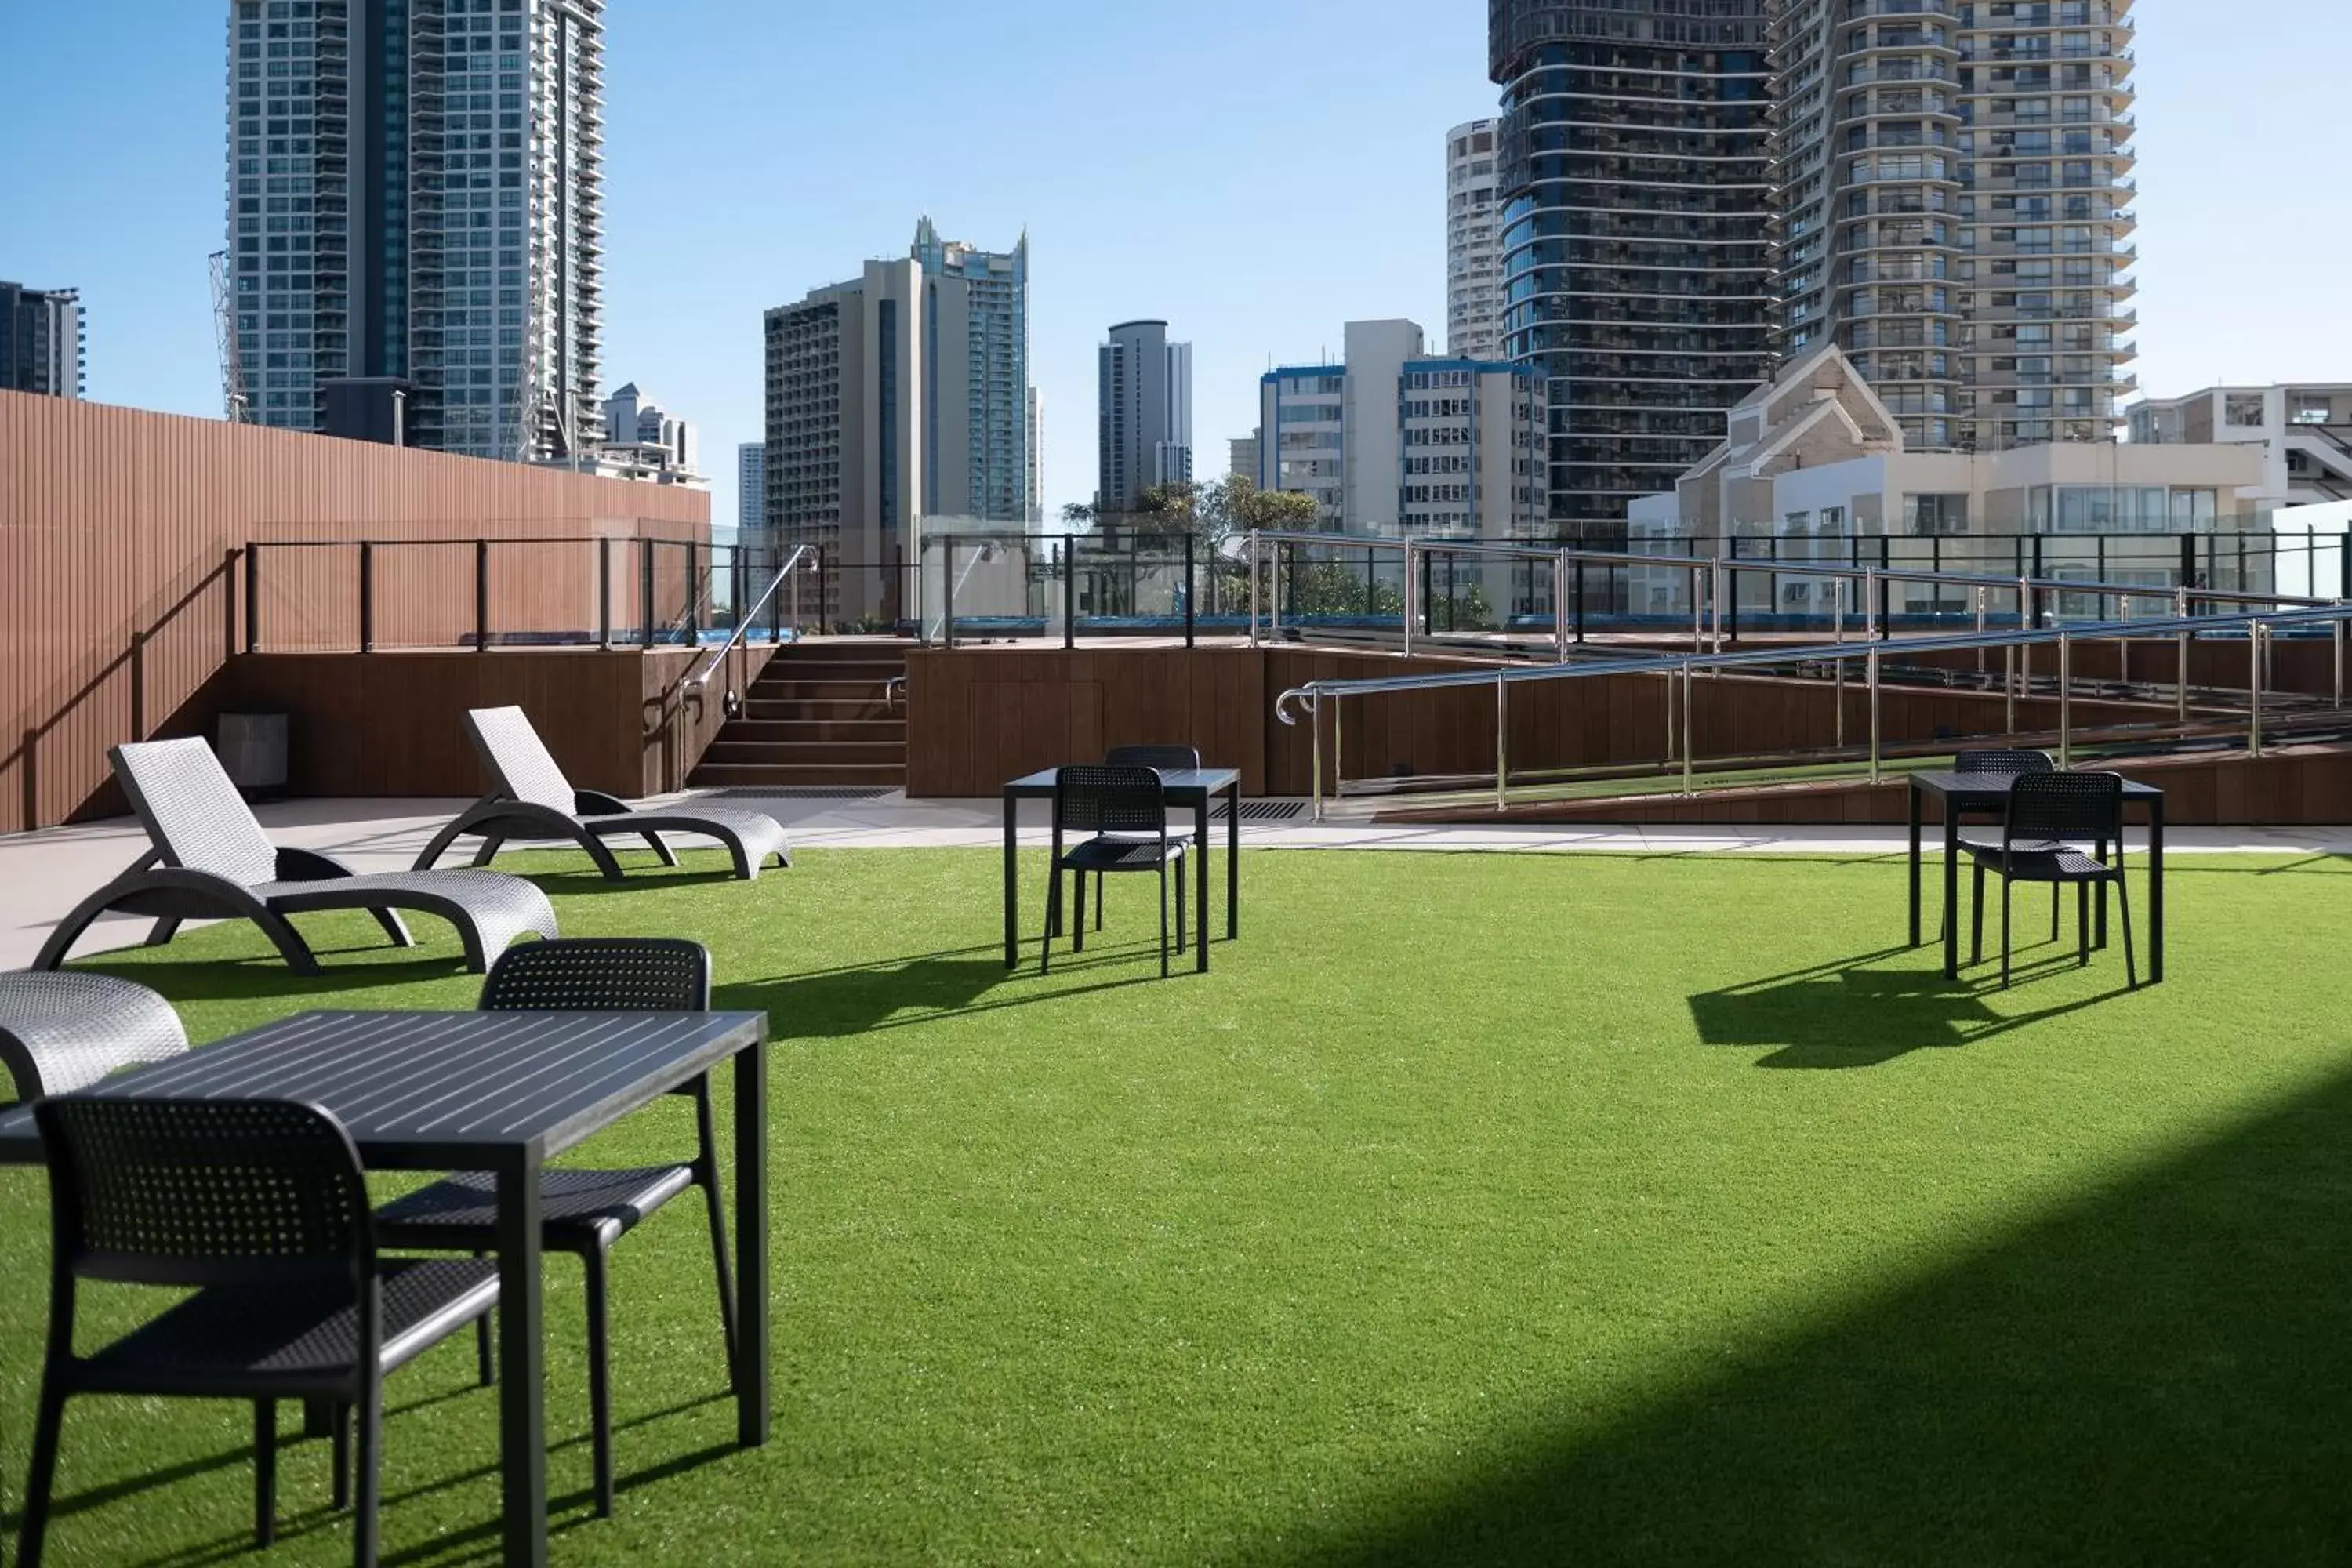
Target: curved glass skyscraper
(1636, 268)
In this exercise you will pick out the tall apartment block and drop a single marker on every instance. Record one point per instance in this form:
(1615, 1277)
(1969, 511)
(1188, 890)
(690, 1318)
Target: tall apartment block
(751, 491)
(416, 199)
(1636, 267)
(1037, 476)
(1955, 209)
(978, 378)
(1401, 441)
(1473, 269)
(1144, 391)
(44, 342)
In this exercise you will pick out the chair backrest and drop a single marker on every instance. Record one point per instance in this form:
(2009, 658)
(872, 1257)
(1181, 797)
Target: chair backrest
(63, 1030)
(192, 812)
(1098, 798)
(1169, 757)
(204, 1191)
(1995, 761)
(600, 973)
(518, 763)
(2066, 807)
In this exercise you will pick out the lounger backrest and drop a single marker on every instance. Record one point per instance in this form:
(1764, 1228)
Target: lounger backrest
(519, 761)
(192, 812)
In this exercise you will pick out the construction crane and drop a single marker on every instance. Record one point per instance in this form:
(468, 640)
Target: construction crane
(234, 404)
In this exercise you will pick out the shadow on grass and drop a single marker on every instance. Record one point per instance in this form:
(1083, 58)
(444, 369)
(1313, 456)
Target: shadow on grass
(2158, 1371)
(1847, 1014)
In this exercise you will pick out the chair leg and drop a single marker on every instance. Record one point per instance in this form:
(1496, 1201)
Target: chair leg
(706, 1174)
(1078, 925)
(1976, 917)
(340, 1456)
(1052, 919)
(264, 1472)
(486, 1355)
(2004, 933)
(1182, 944)
(1164, 920)
(43, 1478)
(2082, 923)
(1099, 900)
(368, 1469)
(2054, 911)
(600, 1380)
(2122, 912)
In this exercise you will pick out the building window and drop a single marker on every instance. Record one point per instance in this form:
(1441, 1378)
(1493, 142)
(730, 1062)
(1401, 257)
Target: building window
(1928, 515)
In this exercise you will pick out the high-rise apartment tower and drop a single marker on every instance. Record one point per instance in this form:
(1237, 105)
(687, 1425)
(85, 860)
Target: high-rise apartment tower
(1146, 412)
(977, 374)
(1636, 183)
(1473, 273)
(44, 342)
(1955, 209)
(415, 195)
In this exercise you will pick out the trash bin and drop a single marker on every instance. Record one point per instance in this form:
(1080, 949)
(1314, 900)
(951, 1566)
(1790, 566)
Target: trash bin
(252, 749)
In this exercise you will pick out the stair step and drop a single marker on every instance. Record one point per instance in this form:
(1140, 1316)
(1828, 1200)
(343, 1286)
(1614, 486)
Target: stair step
(757, 727)
(771, 710)
(726, 748)
(817, 686)
(721, 775)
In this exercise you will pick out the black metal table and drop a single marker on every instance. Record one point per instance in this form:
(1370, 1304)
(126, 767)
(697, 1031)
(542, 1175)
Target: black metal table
(500, 1092)
(1187, 788)
(1988, 795)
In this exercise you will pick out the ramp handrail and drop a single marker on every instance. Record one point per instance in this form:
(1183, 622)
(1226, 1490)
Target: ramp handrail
(804, 557)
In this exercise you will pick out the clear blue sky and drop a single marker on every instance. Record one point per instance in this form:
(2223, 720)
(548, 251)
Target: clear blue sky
(1256, 171)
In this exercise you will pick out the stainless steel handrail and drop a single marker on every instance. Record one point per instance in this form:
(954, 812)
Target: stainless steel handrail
(2261, 627)
(792, 565)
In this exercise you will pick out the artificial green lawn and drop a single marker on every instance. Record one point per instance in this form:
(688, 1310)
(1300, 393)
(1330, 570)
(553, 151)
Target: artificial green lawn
(1474, 1208)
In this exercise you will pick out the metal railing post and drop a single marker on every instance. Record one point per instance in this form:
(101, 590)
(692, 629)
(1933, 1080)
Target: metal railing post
(2024, 674)
(1274, 596)
(1339, 763)
(1872, 657)
(1687, 727)
(1413, 596)
(2336, 633)
(481, 595)
(1698, 611)
(2065, 700)
(367, 596)
(1253, 587)
(1189, 617)
(1580, 598)
(1315, 754)
(1502, 743)
(947, 593)
(1837, 682)
(2008, 688)
(646, 592)
(604, 592)
(252, 598)
(2254, 688)
(1981, 627)
(1559, 608)
(793, 590)
(1070, 594)
(2180, 684)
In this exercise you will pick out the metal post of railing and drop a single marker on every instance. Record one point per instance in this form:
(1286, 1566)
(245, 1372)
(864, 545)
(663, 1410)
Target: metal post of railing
(1580, 598)
(1886, 581)
(604, 592)
(1873, 670)
(792, 588)
(1315, 754)
(1559, 608)
(1698, 611)
(1428, 582)
(1339, 763)
(252, 601)
(2065, 700)
(2024, 674)
(2255, 690)
(2344, 566)
(1253, 586)
(2335, 632)
(2008, 688)
(646, 593)
(1981, 627)
(1274, 595)
(947, 593)
(1687, 728)
(1731, 574)
(2029, 612)
(2123, 643)
(1871, 630)
(1413, 596)
(367, 596)
(1837, 683)
(481, 595)
(1190, 618)
(2180, 643)
(1502, 743)
(1070, 590)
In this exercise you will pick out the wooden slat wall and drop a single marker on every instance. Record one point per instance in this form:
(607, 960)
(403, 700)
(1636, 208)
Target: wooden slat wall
(120, 593)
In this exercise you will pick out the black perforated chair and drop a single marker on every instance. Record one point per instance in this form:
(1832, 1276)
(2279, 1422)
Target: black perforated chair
(586, 1211)
(2008, 759)
(1160, 759)
(260, 1208)
(2061, 829)
(1124, 811)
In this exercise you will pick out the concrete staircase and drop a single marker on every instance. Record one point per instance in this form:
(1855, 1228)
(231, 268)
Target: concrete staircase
(817, 716)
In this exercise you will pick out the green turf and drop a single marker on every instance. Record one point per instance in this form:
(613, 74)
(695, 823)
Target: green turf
(1476, 1208)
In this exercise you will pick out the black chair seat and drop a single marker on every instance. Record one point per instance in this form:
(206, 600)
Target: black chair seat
(1120, 854)
(230, 1340)
(2058, 863)
(580, 1209)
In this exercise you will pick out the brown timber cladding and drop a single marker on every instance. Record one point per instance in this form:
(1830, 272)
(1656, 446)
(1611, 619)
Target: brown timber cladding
(122, 534)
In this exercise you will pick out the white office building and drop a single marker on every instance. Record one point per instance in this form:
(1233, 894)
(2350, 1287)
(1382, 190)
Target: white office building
(1401, 441)
(1474, 255)
(2304, 433)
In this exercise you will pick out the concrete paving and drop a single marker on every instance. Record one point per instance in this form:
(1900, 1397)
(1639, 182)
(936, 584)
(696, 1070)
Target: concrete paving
(43, 875)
